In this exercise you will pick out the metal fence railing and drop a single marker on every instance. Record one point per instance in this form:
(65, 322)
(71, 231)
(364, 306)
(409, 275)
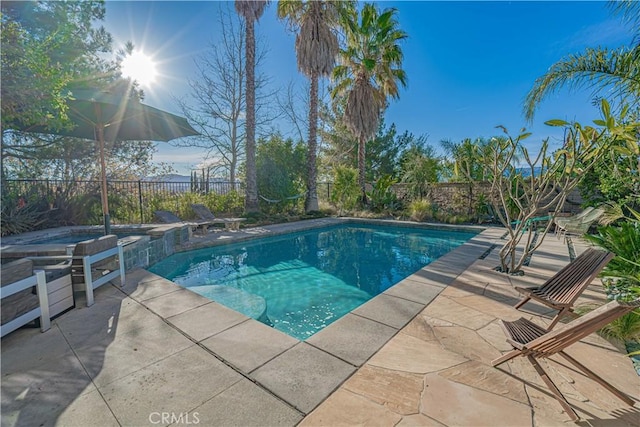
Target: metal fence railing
(51, 186)
(138, 195)
(136, 192)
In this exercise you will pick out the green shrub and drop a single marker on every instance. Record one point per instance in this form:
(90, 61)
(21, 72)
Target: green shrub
(382, 198)
(457, 219)
(82, 209)
(421, 210)
(482, 209)
(346, 191)
(228, 204)
(281, 174)
(624, 328)
(621, 277)
(622, 274)
(124, 207)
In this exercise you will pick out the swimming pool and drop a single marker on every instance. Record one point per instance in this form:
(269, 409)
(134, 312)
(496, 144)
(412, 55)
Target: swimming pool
(300, 283)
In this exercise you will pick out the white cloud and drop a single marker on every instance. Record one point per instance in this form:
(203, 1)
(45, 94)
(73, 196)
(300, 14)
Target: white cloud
(183, 160)
(216, 161)
(184, 157)
(612, 32)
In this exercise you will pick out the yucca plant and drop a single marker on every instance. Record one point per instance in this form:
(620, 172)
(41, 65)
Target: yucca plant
(382, 196)
(19, 220)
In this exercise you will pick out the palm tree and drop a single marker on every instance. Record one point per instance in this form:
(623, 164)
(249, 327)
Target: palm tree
(369, 73)
(251, 11)
(316, 49)
(597, 68)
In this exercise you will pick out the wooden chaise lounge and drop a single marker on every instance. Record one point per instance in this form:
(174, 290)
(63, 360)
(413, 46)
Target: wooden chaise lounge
(562, 290)
(534, 342)
(171, 218)
(205, 214)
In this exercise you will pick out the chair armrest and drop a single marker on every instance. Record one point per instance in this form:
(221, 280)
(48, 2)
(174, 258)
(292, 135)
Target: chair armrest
(53, 260)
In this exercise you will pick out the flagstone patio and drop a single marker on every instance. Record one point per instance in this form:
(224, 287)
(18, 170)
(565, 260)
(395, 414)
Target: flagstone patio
(151, 353)
(437, 370)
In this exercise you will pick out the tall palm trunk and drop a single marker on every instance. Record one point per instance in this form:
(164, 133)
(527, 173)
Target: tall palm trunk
(311, 202)
(361, 169)
(251, 197)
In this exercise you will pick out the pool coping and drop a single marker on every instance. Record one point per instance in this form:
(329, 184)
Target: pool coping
(302, 373)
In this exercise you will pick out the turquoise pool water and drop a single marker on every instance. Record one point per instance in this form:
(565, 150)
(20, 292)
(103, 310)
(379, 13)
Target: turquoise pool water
(299, 283)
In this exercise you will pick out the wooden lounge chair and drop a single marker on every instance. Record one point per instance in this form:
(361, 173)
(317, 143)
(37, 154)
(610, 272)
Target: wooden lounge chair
(562, 290)
(205, 214)
(20, 304)
(534, 342)
(170, 218)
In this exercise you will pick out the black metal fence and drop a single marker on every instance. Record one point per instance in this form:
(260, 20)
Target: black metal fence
(51, 186)
(138, 199)
(139, 192)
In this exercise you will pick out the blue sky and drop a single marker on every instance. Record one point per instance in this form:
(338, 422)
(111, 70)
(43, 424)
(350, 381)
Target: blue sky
(469, 64)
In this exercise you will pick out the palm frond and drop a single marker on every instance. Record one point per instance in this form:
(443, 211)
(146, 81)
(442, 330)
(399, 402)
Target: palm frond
(598, 69)
(629, 11)
(251, 10)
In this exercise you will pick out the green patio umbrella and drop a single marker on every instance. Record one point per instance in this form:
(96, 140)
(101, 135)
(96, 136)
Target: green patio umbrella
(101, 115)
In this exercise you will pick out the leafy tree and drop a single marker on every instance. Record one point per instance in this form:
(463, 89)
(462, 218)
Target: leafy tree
(384, 152)
(466, 156)
(615, 179)
(616, 71)
(339, 146)
(280, 171)
(251, 11)
(46, 47)
(48, 156)
(420, 168)
(369, 73)
(316, 49)
(345, 188)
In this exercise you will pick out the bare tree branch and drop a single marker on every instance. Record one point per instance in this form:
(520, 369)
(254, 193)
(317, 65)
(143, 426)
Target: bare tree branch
(216, 103)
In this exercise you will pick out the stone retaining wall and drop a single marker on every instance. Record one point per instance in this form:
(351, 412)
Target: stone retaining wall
(163, 243)
(459, 197)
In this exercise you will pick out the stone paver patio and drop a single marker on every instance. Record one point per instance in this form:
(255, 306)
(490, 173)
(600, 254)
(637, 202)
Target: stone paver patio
(152, 353)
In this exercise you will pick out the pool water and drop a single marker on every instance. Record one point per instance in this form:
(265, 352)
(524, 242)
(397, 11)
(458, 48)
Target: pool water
(300, 283)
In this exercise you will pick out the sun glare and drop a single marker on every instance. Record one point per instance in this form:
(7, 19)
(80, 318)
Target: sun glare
(139, 67)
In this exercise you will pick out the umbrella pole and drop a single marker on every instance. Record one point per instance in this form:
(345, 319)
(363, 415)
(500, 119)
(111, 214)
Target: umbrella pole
(103, 181)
